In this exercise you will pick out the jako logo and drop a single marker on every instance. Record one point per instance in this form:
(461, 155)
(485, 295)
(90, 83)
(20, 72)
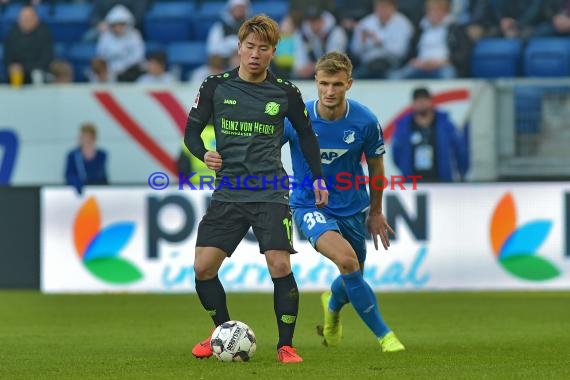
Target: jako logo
(99, 248)
(516, 248)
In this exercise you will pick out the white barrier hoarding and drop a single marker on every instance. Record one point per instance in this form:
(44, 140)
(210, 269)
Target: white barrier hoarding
(488, 236)
(144, 125)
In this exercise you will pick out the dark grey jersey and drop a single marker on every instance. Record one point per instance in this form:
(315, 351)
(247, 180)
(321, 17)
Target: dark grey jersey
(248, 121)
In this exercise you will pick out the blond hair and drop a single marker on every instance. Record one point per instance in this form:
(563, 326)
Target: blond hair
(334, 62)
(439, 3)
(89, 128)
(265, 28)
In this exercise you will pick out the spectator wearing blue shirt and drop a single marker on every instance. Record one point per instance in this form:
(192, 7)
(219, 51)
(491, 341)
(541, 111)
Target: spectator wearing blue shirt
(86, 165)
(427, 143)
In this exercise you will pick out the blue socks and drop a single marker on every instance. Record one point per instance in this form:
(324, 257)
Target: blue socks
(339, 297)
(356, 291)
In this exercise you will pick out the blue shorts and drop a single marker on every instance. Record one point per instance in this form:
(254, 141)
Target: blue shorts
(314, 222)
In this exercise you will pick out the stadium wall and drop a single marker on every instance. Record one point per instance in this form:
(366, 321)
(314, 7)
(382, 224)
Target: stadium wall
(19, 238)
(142, 127)
(503, 236)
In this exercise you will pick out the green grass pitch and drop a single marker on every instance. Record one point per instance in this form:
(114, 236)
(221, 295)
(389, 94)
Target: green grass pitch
(447, 335)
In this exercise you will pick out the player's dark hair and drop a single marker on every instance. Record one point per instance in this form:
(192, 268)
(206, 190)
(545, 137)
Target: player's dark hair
(265, 28)
(334, 62)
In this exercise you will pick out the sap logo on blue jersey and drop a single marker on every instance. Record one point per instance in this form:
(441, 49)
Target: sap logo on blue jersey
(349, 137)
(329, 155)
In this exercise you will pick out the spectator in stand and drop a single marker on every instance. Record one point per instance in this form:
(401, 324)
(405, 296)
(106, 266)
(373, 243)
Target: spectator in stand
(318, 34)
(99, 72)
(414, 10)
(473, 15)
(515, 19)
(28, 47)
(156, 70)
(216, 65)
(86, 165)
(556, 19)
(381, 40)
(432, 58)
(122, 46)
(222, 37)
(349, 13)
(101, 8)
(427, 143)
(298, 8)
(284, 60)
(60, 72)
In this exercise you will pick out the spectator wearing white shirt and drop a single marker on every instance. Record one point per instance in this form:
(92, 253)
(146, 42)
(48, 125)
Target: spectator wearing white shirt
(381, 40)
(433, 57)
(156, 70)
(318, 34)
(222, 38)
(122, 46)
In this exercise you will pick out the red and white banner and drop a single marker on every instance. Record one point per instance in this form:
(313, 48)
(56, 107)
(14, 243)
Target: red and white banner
(142, 127)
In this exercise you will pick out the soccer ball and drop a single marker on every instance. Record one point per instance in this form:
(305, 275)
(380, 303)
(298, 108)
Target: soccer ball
(233, 341)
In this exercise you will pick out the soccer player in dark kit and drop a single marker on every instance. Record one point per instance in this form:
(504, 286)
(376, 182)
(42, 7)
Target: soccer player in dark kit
(249, 105)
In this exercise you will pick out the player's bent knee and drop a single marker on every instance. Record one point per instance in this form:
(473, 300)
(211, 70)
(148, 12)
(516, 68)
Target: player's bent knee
(347, 264)
(203, 271)
(279, 265)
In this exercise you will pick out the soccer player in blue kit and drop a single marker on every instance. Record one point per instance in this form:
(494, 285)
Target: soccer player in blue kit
(345, 130)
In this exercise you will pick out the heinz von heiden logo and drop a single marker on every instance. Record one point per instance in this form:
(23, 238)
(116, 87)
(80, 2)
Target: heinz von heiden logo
(99, 248)
(515, 247)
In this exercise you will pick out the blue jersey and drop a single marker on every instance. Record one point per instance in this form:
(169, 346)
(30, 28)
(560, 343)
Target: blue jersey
(342, 143)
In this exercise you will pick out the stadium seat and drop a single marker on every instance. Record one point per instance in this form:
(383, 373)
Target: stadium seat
(206, 16)
(496, 58)
(80, 56)
(277, 10)
(186, 56)
(169, 22)
(69, 22)
(60, 50)
(547, 57)
(153, 47)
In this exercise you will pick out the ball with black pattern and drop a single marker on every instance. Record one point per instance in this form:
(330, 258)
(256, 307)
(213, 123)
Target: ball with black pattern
(233, 341)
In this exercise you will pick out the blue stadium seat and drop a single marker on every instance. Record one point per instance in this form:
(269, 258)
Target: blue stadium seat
(547, 57)
(496, 58)
(80, 56)
(169, 22)
(60, 50)
(207, 16)
(277, 10)
(186, 56)
(69, 22)
(153, 47)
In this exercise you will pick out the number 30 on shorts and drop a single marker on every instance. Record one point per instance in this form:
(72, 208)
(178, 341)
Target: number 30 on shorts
(312, 218)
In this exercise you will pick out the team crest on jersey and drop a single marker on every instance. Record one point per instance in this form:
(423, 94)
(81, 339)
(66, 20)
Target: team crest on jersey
(272, 108)
(349, 137)
(196, 100)
(329, 155)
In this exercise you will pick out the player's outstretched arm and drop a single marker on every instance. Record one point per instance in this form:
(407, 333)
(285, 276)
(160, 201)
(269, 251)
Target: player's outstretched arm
(376, 221)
